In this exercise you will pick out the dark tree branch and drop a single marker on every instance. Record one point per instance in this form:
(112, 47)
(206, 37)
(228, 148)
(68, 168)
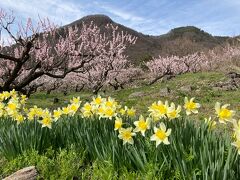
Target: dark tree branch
(7, 57)
(29, 79)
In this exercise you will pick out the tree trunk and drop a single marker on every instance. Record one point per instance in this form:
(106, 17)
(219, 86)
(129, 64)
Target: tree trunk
(49, 91)
(77, 89)
(155, 80)
(96, 90)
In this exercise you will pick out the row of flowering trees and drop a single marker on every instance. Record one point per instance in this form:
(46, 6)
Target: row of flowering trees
(40, 54)
(94, 79)
(158, 68)
(199, 61)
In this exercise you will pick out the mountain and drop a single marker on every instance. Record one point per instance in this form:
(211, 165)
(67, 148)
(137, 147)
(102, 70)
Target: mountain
(178, 41)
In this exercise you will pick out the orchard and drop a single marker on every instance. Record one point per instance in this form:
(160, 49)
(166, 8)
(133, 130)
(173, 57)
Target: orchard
(97, 135)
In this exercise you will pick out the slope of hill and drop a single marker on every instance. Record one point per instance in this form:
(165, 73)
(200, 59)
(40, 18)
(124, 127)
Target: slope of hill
(198, 85)
(179, 41)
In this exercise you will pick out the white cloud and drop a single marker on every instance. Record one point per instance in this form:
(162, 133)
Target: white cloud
(120, 13)
(124, 15)
(59, 11)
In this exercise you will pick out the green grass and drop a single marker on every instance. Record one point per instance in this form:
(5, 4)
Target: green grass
(200, 82)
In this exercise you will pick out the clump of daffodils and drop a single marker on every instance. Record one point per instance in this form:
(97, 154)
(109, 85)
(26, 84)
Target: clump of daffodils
(46, 118)
(12, 105)
(101, 107)
(142, 125)
(107, 108)
(158, 110)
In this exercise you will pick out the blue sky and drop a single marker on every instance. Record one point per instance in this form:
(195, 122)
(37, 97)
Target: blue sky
(154, 17)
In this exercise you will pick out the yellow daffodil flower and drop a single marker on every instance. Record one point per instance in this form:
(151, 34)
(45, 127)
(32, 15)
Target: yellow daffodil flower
(57, 114)
(97, 101)
(66, 110)
(123, 111)
(39, 112)
(191, 106)
(126, 135)
(19, 118)
(110, 102)
(108, 112)
(46, 122)
(73, 108)
(31, 115)
(142, 125)
(76, 100)
(87, 110)
(118, 123)
(87, 107)
(172, 112)
(5, 95)
(161, 135)
(131, 112)
(12, 106)
(100, 111)
(158, 110)
(223, 113)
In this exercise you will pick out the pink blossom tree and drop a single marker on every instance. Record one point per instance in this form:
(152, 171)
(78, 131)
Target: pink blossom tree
(110, 65)
(163, 66)
(200, 61)
(118, 79)
(42, 50)
(223, 58)
(104, 74)
(174, 65)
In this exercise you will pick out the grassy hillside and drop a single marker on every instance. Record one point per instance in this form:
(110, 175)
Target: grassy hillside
(191, 85)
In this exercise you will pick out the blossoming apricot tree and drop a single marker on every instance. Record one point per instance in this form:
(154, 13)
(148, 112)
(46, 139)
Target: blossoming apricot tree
(160, 67)
(41, 49)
